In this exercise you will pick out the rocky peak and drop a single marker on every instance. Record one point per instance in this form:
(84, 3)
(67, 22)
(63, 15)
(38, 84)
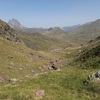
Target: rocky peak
(15, 24)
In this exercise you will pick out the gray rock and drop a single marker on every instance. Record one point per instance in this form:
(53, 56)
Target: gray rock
(10, 56)
(97, 74)
(54, 67)
(92, 77)
(86, 82)
(40, 93)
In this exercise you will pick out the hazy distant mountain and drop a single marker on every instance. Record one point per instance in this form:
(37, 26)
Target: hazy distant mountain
(86, 32)
(56, 33)
(80, 33)
(89, 28)
(38, 30)
(71, 28)
(15, 24)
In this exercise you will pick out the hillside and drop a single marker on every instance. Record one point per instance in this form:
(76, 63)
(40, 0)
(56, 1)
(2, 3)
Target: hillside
(16, 59)
(71, 28)
(43, 42)
(56, 33)
(89, 57)
(85, 32)
(7, 32)
(47, 67)
(23, 66)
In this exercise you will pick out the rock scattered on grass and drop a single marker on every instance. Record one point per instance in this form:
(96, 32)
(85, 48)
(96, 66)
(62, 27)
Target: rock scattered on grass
(92, 77)
(2, 79)
(40, 93)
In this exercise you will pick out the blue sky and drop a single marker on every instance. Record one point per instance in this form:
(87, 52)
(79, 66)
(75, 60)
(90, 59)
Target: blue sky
(50, 13)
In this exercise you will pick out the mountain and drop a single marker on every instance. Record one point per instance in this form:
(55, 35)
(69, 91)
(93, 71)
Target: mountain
(71, 28)
(89, 28)
(56, 33)
(48, 39)
(7, 32)
(85, 32)
(15, 24)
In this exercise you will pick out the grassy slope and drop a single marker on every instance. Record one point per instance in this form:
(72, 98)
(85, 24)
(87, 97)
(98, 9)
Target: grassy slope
(10, 67)
(66, 84)
(63, 85)
(58, 85)
(85, 32)
(90, 55)
(40, 42)
(56, 34)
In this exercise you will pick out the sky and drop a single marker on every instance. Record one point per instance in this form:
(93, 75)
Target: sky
(50, 13)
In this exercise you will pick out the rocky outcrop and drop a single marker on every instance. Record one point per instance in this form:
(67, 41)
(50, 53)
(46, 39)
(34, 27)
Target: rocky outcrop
(92, 78)
(7, 32)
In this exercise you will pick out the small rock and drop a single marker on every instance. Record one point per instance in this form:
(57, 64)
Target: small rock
(42, 70)
(26, 76)
(84, 67)
(80, 50)
(54, 67)
(97, 74)
(31, 53)
(2, 79)
(51, 62)
(36, 74)
(20, 80)
(68, 53)
(14, 80)
(32, 71)
(86, 82)
(10, 56)
(20, 69)
(49, 68)
(40, 93)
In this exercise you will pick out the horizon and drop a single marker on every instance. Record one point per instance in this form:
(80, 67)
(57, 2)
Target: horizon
(53, 26)
(50, 13)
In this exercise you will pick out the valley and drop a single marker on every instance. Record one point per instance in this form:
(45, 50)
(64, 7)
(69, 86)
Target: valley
(49, 64)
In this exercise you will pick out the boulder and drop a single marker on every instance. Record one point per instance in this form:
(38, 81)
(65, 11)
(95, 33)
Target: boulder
(54, 67)
(92, 78)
